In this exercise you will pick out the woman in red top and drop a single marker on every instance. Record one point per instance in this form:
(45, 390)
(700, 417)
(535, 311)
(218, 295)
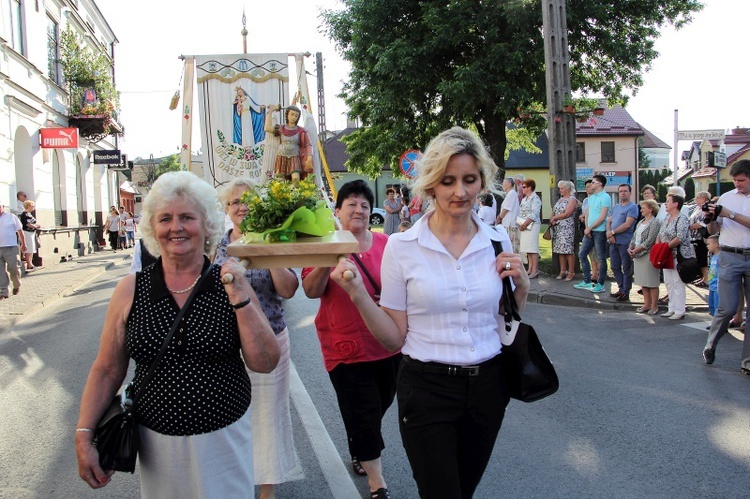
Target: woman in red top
(362, 371)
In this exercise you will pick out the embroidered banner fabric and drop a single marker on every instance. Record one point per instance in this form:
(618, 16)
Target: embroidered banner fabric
(233, 92)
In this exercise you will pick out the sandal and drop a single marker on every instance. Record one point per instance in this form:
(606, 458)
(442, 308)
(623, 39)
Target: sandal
(561, 275)
(357, 467)
(381, 493)
(570, 277)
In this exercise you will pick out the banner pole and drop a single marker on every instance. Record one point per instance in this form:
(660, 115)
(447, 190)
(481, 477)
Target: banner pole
(187, 115)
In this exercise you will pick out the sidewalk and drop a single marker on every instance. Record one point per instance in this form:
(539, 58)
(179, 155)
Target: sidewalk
(45, 285)
(42, 287)
(550, 291)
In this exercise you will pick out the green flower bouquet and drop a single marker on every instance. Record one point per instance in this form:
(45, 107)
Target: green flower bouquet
(278, 210)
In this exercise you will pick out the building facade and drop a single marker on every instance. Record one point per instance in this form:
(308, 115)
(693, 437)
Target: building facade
(71, 193)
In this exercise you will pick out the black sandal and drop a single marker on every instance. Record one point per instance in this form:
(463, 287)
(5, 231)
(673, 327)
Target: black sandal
(381, 493)
(357, 467)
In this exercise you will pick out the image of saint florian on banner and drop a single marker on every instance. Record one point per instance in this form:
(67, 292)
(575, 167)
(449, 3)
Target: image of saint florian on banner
(234, 92)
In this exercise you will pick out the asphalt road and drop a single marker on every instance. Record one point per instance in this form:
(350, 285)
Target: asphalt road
(638, 414)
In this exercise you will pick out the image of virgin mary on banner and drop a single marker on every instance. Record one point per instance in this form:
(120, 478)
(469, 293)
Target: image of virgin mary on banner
(233, 94)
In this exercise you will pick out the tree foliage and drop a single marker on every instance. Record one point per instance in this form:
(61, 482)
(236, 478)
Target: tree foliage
(421, 67)
(169, 163)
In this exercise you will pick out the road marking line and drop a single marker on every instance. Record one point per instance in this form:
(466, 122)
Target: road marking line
(334, 470)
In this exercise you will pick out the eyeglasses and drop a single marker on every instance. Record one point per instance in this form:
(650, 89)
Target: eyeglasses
(234, 202)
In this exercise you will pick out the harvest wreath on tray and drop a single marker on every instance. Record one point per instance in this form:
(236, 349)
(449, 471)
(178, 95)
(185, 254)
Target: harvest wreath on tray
(288, 225)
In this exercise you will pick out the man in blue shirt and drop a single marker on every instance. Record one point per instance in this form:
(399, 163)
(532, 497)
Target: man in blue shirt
(594, 235)
(620, 228)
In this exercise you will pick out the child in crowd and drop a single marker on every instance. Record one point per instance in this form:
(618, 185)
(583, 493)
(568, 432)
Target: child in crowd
(130, 229)
(122, 236)
(404, 213)
(486, 211)
(404, 226)
(712, 243)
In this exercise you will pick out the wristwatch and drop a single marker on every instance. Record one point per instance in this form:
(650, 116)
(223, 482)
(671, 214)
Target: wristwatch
(731, 215)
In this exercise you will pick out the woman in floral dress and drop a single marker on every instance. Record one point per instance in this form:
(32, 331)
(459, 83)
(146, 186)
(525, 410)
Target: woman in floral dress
(563, 221)
(392, 207)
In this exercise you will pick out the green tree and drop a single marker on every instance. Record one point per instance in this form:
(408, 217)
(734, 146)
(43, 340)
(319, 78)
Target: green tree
(169, 163)
(661, 192)
(643, 160)
(421, 67)
(689, 189)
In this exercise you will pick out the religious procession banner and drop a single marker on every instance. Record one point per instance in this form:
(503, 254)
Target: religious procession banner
(234, 92)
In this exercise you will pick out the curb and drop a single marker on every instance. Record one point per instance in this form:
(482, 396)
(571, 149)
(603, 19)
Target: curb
(552, 298)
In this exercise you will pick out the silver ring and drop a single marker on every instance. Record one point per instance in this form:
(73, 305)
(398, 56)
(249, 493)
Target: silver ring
(507, 265)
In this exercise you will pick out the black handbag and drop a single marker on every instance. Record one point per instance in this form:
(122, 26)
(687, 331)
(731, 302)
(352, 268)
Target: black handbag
(687, 268)
(116, 435)
(528, 372)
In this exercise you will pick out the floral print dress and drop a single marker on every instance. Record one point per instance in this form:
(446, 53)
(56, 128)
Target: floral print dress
(563, 242)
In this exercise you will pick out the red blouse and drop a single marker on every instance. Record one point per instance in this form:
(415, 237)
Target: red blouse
(344, 337)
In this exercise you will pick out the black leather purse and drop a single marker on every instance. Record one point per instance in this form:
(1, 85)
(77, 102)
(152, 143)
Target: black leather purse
(529, 374)
(116, 435)
(527, 370)
(687, 268)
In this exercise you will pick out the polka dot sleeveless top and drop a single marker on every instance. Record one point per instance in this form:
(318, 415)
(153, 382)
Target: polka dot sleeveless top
(201, 384)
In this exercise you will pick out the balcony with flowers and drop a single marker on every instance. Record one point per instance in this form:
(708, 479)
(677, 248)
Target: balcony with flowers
(93, 99)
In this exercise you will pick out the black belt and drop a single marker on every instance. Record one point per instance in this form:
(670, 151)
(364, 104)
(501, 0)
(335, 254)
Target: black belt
(446, 369)
(739, 251)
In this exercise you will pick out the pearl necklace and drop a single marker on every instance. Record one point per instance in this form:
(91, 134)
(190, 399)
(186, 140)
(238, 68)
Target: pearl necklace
(182, 291)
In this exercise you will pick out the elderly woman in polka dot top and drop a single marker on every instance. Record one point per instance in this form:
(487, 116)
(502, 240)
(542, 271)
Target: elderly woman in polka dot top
(195, 423)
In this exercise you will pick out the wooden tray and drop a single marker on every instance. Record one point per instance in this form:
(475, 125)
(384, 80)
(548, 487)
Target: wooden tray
(305, 252)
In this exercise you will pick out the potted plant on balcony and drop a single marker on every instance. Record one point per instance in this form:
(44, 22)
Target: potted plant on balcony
(93, 99)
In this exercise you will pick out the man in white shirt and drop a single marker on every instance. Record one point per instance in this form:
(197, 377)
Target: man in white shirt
(10, 234)
(732, 218)
(20, 199)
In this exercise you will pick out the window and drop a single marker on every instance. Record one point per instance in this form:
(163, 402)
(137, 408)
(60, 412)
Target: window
(608, 152)
(580, 152)
(14, 24)
(53, 51)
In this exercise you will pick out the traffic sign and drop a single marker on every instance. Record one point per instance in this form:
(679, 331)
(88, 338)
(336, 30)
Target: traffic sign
(407, 162)
(720, 159)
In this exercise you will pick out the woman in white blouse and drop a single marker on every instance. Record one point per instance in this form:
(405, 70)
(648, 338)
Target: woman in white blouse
(442, 283)
(509, 211)
(531, 213)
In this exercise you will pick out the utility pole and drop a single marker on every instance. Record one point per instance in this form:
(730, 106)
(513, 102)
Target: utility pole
(321, 97)
(560, 126)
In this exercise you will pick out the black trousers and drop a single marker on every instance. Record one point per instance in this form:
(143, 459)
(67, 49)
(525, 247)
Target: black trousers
(449, 422)
(113, 239)
(365, 391)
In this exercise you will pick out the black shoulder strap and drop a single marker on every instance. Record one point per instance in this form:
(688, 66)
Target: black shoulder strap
(507, 307)
(367, 273)
(165, 343)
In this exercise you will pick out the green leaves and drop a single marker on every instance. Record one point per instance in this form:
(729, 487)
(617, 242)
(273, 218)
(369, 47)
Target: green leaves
(421, 67)
(81, 66)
